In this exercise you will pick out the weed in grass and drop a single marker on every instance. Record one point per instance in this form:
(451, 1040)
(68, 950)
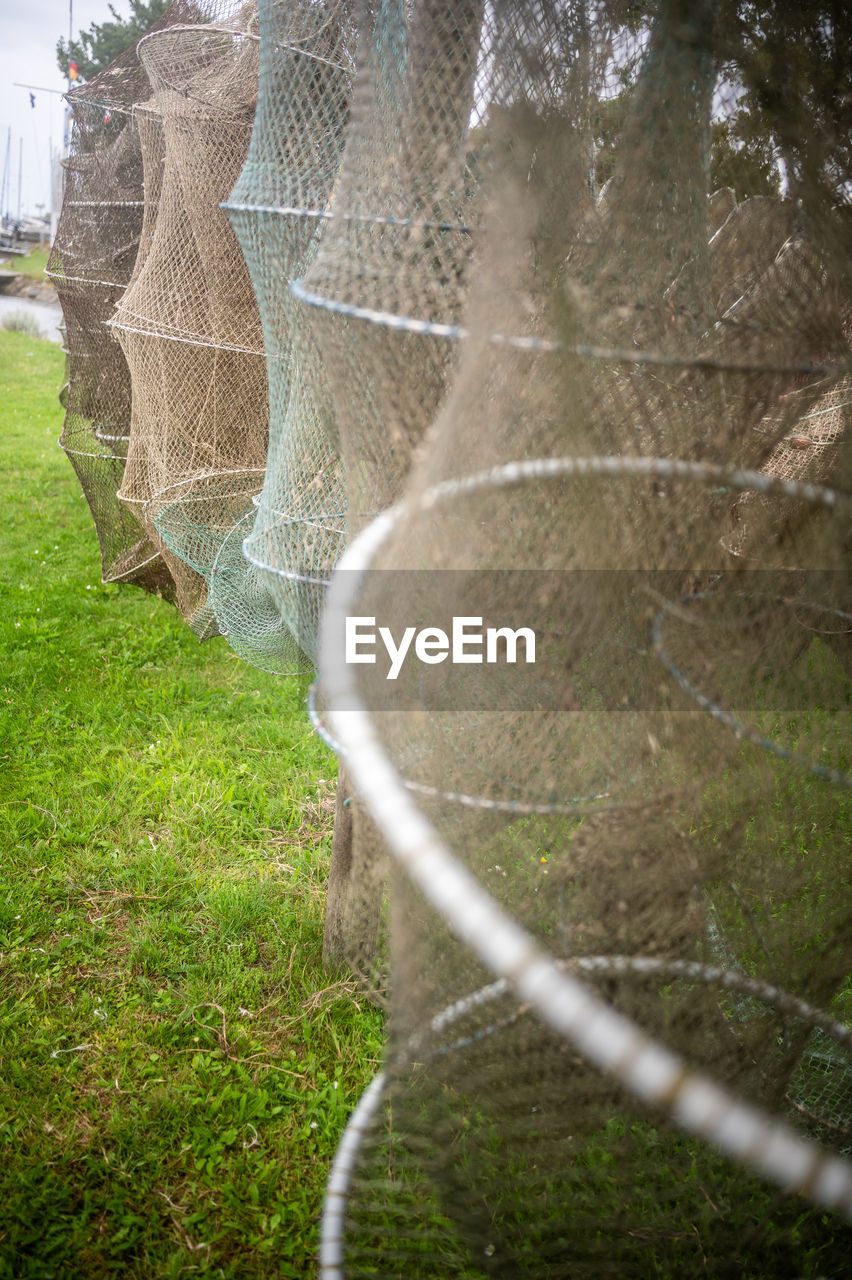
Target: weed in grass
(21, 322)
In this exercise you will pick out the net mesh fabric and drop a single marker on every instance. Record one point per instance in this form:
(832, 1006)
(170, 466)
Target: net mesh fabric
(387, 281)
(396, 243)
(188, 322)
(612, 449)
(270, 597)
(91, 261)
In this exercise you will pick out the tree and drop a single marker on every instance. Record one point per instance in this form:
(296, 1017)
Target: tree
(743, 157)
(103, 42)
(795, 68)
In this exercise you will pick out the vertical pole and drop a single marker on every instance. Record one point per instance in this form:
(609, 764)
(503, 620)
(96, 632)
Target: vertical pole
(5, 187)
(20, 170)
(66, 123)
(336, 946)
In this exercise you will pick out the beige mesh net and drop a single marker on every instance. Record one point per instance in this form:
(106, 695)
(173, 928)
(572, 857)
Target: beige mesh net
(90, 264)
(616, 935)
(397, 243)
(384, 290)
(188, 323)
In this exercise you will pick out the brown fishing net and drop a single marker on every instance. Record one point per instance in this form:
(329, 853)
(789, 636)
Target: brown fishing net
(616, 934)
(90, 264)
(188, 323)
(554, 301)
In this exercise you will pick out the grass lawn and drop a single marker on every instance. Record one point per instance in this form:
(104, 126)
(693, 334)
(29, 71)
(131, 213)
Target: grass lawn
(175, 1066)
(31, 264)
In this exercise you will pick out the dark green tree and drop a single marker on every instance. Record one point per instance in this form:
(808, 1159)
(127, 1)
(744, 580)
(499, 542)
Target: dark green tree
(782, 118)
(97, 47)
(743, 157)
(794, 72)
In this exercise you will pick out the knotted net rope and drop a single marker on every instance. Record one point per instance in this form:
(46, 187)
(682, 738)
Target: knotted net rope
(617, 922)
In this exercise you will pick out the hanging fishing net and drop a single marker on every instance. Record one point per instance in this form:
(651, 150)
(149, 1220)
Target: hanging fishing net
(397, 242)
(268, 598)
(90, 264)
(188, 323)
(382, 288)
(604, 732)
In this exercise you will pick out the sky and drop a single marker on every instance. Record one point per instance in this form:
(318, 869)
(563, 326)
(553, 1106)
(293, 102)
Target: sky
(29, 30)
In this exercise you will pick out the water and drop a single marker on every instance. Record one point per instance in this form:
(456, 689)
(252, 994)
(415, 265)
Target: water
(48, 316)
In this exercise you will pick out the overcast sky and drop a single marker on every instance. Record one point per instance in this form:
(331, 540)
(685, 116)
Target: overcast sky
(29, 30)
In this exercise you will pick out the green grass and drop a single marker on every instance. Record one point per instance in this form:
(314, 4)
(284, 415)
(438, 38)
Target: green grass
(31, 264)
(581, 1197)
(175, 1065)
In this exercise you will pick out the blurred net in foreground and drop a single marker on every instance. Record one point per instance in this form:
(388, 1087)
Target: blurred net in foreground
(655, 831)
(618, 922)
(269, 603)
(90, 264)
(188, 322)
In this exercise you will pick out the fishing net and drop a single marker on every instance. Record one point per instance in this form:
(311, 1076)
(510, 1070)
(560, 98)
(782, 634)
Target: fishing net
(616, 932)
(379, 292)
(268, 599)
(396, 245)
(188, 322)
(90, 264)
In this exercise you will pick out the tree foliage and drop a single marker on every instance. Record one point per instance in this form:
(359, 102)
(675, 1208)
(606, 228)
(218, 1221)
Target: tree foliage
(743, 157)
(782, 118)
(795, 72)
(97, 47)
